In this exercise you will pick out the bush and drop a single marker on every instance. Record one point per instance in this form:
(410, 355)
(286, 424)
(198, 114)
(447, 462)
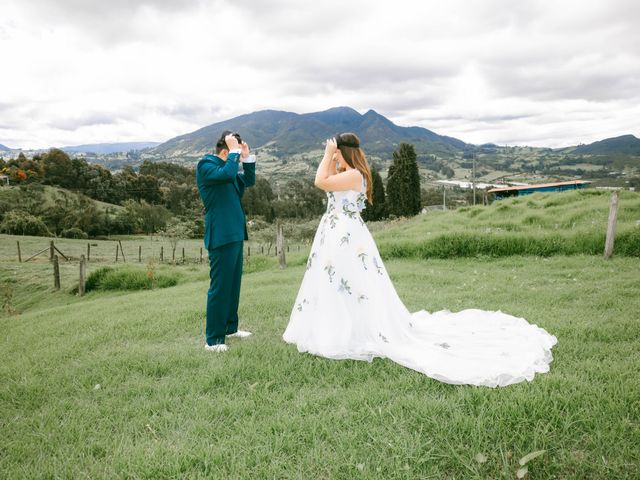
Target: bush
(95, 279)
(107, 278)
(74, 233)
(17, 222)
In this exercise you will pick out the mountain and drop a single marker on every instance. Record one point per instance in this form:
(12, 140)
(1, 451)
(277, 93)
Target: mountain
(286, 133)
(105, 148)
(4, 148)
(625, 144)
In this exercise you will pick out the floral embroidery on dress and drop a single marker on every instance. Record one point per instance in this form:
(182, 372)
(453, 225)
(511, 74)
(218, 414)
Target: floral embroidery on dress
(362, 255)
(300, 305)
(378, 267)
(344, 286)
(345, 239)
(362, 297)
(384, 339)
(333, 219)
(310, 260)
(330, 271)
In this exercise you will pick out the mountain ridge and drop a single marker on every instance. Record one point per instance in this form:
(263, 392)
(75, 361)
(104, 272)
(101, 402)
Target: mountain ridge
(623, 144)
(106, 148)
(285, 133)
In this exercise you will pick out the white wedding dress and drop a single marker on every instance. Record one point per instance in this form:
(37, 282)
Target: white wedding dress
(347, 307)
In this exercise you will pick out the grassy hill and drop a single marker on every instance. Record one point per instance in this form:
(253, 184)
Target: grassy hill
(117, 384)
(52, 194)
(543, 224)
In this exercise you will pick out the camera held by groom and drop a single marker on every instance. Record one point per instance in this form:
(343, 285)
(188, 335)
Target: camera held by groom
(221, 186)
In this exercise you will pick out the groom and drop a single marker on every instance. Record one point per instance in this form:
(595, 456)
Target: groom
(221, 188)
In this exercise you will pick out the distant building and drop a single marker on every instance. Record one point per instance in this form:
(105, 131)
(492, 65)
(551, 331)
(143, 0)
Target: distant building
(4, 180)
(466, 185)
(521, 190)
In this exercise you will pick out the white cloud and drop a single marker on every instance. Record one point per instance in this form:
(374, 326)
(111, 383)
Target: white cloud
(529, 72)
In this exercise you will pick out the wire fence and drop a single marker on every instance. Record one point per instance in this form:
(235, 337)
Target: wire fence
(141, 250)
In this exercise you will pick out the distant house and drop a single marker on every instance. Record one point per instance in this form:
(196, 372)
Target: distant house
(4, 180)
(521, 190)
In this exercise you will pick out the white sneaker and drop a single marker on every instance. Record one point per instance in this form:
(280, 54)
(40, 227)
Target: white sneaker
(221, 347)
(240, 334)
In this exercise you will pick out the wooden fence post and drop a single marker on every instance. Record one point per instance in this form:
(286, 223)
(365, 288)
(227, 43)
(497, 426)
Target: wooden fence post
(82, 282)
(182, 254)
(122, 251)
(56, 272)
(611, 226)
(51, 251)
(117, 252)
(139, 253)
(200, 254)
(161, 253)
(88, 251)
(19, 253)
(280, 247)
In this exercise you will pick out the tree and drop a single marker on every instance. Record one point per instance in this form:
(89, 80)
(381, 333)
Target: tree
(403, 184)
(258, 199)
(58, 169)
(174, 232)
(18, 222)
(141, 217)
(377, 210)
(299, 199)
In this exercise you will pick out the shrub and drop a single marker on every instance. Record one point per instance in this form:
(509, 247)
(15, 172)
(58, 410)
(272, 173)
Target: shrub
(74, 233)
(17, 222)
(107, 278)
(95, 278)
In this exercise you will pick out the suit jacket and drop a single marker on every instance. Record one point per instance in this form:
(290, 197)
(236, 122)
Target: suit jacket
(221, 187)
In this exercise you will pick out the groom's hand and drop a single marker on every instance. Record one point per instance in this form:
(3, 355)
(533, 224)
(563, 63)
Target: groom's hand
(232, 142)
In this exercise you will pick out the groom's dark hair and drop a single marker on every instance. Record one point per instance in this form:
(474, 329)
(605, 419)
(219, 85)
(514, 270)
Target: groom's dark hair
(222, 145)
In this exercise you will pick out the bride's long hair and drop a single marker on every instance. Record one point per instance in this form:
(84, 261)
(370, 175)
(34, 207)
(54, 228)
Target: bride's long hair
(349, 146)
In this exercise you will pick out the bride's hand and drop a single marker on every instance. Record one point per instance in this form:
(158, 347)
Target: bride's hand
(245, 150)
(331, 147)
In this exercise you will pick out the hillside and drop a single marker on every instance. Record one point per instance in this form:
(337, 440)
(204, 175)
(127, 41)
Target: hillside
(625, 145)
(122, 387)
(107, 148)
(4, 148)
(285, 133)
(52, 195)
(542, 224)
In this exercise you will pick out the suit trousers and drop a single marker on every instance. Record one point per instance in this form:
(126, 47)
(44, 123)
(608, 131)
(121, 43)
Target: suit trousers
(223, 297)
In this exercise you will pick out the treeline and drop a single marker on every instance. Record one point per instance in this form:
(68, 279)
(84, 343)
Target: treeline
(164, 197)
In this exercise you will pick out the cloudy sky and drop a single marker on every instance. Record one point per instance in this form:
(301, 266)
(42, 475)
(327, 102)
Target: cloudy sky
(527, 72)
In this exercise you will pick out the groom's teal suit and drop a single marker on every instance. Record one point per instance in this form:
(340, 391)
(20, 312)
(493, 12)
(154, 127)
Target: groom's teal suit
(221, 187)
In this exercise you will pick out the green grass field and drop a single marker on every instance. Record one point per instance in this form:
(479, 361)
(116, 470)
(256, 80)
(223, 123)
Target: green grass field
(542, 224)
(118, 385)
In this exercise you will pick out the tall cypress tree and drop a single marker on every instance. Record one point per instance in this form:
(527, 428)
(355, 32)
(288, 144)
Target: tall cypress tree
(377, 211)
(403, 184)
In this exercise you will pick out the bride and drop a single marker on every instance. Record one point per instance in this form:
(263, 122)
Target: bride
(347, 306)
